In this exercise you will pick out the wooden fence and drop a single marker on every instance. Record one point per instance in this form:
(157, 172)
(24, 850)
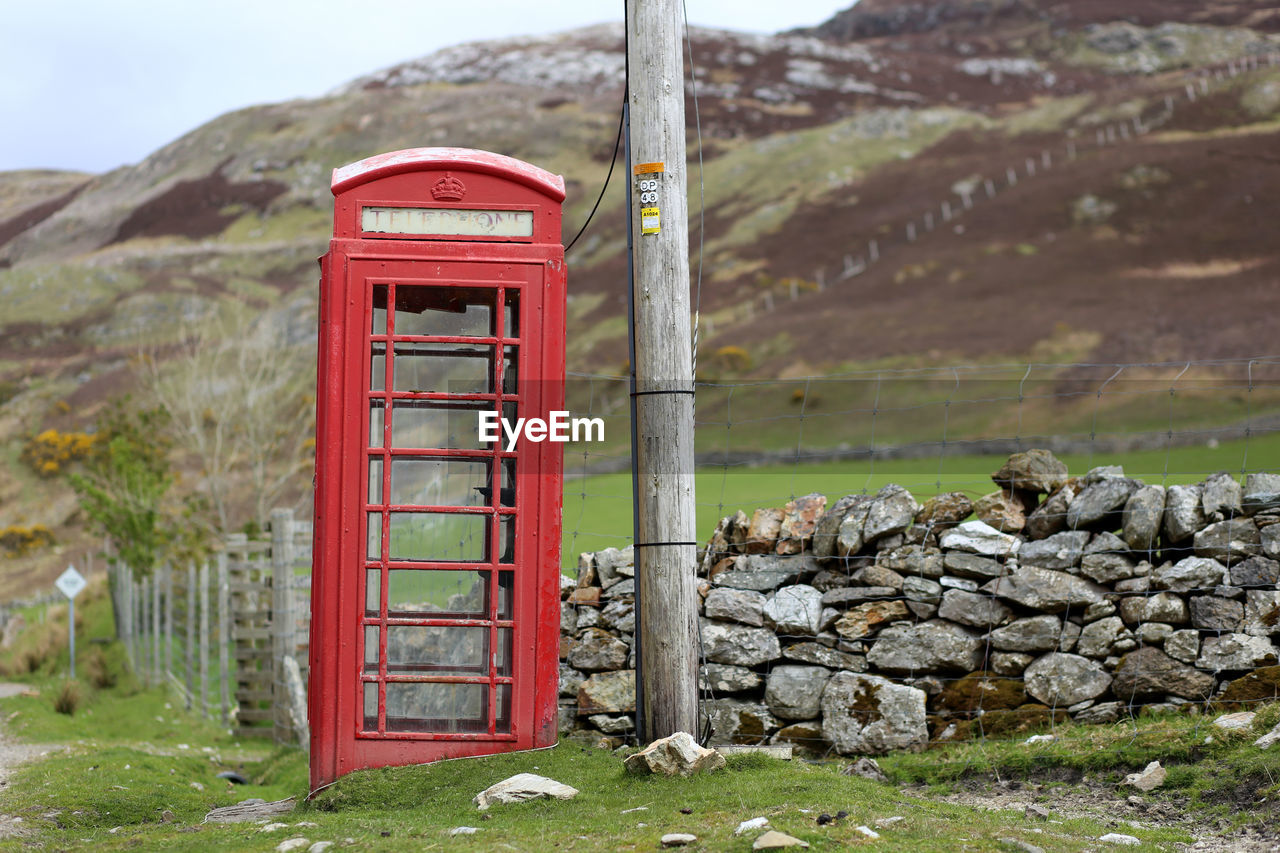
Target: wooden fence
(229, 638)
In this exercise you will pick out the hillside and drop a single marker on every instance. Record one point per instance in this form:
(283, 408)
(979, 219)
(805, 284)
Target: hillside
(1157, 247)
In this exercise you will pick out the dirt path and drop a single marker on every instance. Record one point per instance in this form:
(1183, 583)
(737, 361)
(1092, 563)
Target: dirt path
(11, 755)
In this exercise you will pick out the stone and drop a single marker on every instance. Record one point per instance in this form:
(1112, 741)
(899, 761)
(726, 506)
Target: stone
(1036, 470)
(1241, 721)
(799, 519)
(1269, 738)
(878, 577)
(762, 535)
(620, 616)
(612, 725)
(1101, 610)
(1189, 573)
(588, 617)
(1261, 612)
(1100, 502)
(1161, 607)
(973, 609)
(1059, 679)
(866, 714)
(793, 692)
(1153, 633)
(944, 511)
(867, 618)
(936, 645)
(923, 611)
(806, 734)
(1119, 838)
(1104, 472)
(744, 606)
(847, 596)
(849, 539)
(1151, 777)
(1131, 586)
(1103, 712)
(1183, 512)
(966, 584)
(1051, 516)
(750, 825)
(978, 693)
(972, 566)
(1107, 568)
(727, 678)
(866, 768)
(1215, 614)
(736, 721)
(1150, 672)
(568, 619)
(774, 840)
(1255, 571)
(891, 511)
(719, 545)
(1220, 497)
(1045, 590)
(1010, 663)
(608, 693)
(586, 595)
(1235, 652)
(913, 561)
(570, 680)
(1059, 551)
(921, 589)
(738, 644)
(675, 755)
(1183, 646)
(764, 573)
(1270, 537)
(624, 588)
(827, 528)
(521, 787)
(1001, 510)
(1031, 634)
(1229, 541)
(597, 651)
(291, 844)
(1261, 493)
(677, 839)
(794, 610)
(1097, 637)
(1143, 514)
(974, 537)
(820, 655)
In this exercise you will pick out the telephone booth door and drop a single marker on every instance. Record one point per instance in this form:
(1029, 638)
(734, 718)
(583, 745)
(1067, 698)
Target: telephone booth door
(436, 600)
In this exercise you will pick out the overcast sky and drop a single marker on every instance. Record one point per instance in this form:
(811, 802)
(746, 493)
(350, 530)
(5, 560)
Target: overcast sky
(91, 85)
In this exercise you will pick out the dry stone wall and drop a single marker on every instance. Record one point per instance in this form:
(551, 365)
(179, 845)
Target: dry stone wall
(879, 623)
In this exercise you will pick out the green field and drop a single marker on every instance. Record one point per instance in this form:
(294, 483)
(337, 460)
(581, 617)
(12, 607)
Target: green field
(597, 510)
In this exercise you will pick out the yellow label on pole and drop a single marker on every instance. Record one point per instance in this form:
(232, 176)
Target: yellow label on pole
(648, 168)
(650, 222)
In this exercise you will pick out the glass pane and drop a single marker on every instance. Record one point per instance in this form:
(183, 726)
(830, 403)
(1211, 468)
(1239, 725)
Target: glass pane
(511, 317)
(445, 368)
(510, 369)
(439, 482)
(503, 710)
(435, 425)
(502, 654)
(379, 309)
(426, 592)
(375, 479)
(370, 706)
(508, 491)
(506, 587)
(371, 648)
(372, 592)
(423, 650)
(378, 368)
(375, 423)
(413, 707)
(374, 551)
(454, 311)
(507, 538)
(439, 536)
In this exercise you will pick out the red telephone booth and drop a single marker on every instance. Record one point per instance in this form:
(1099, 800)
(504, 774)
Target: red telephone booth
(435, 597)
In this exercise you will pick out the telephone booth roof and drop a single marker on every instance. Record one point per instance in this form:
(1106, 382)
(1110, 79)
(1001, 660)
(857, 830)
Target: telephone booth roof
(466, 159)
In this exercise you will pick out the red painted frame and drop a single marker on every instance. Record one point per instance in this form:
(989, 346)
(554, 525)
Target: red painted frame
(355, 264)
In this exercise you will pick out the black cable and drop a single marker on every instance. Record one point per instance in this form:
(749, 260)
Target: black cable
(612, 160)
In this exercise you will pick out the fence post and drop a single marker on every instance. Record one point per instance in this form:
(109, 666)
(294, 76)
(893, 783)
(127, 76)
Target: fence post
(224, 637)
(283, 643)
(168, 625)
(156, 661)
(125, 580)
(204, 639)
(191, 635)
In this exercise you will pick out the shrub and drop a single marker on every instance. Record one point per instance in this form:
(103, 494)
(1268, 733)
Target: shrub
(733, 358)
(68, 699)
(50, 451)
(17, 541)
(99, 670)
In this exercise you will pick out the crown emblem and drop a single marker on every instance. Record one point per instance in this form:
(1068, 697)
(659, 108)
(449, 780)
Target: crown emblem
(448, 188)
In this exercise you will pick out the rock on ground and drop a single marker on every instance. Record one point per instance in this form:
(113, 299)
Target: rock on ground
(676, 755)
(523, 786)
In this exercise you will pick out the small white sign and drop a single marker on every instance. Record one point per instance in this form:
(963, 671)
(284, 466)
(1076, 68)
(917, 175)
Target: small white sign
(70, 583)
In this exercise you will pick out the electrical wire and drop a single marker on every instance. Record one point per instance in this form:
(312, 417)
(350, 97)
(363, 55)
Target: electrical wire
(612, 160)
(702, 199)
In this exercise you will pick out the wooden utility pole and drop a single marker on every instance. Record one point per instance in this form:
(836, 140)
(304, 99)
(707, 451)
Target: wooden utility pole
(666, 552)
